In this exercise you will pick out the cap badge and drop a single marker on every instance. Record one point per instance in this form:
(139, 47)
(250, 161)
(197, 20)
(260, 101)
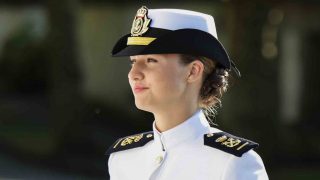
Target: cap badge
(141, 22)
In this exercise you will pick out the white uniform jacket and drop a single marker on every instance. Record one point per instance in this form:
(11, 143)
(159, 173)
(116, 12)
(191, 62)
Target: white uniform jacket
(190, 151)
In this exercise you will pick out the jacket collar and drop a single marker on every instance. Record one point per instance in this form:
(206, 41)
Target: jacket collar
(190, 129)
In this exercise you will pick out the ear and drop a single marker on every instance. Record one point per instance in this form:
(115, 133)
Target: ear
(195, 71)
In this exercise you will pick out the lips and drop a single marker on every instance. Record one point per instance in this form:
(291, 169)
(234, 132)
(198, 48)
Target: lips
(139, 88)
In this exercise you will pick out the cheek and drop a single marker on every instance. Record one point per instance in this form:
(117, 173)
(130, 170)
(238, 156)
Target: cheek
(170, 83)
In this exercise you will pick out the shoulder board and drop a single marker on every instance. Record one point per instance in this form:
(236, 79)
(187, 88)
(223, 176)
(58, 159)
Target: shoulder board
(229, 143)
(130, 142)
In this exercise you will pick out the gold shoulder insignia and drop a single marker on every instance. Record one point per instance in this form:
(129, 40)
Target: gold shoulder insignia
(130, 142)
(229, 143)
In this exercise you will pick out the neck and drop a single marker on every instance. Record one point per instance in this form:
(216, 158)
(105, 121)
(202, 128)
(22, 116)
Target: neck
(171, 117)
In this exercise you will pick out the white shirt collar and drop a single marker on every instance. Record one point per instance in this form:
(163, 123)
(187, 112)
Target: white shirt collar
(190, 129)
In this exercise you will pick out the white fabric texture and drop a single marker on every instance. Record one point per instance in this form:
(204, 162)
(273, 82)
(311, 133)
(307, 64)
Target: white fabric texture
(174, 19)
(180, 154)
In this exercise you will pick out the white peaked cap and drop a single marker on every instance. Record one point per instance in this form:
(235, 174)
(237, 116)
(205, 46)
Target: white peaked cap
(174, 19)
(163, 31)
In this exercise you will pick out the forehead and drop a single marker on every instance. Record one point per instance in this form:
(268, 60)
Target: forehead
(157, 56)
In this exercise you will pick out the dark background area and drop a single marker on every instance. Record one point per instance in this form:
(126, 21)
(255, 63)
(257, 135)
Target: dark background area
(64, 100)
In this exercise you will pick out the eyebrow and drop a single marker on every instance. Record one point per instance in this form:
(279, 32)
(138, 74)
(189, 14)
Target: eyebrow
(131, 59)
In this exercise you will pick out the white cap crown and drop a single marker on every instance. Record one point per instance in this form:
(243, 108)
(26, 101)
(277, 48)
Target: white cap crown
(174, 19)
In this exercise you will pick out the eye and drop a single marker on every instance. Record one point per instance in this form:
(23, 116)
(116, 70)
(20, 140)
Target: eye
(152, 60)
(132, 61)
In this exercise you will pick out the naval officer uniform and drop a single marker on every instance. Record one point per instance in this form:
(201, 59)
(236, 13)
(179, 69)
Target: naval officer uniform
(190, 151)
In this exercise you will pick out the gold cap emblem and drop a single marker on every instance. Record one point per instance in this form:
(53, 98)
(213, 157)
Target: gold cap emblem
(141, 22)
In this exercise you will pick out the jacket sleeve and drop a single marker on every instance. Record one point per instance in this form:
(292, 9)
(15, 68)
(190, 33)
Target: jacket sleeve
(247, 167)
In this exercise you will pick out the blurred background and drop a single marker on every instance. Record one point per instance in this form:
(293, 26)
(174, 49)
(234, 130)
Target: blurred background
(64, 100)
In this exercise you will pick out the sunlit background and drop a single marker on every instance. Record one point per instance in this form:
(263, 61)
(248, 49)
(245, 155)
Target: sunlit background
(64, 100)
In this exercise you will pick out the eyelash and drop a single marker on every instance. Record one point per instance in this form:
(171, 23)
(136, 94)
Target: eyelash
(151, 60)
(132, 61)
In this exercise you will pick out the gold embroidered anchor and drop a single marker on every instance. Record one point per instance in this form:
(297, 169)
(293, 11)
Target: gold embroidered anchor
(231, 142)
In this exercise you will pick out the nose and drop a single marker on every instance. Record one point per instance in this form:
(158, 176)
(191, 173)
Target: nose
(135, 73)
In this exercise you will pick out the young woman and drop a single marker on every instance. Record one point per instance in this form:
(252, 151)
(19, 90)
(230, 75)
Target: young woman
(179, 73)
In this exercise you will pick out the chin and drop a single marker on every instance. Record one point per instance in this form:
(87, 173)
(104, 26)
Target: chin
(143, 106)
